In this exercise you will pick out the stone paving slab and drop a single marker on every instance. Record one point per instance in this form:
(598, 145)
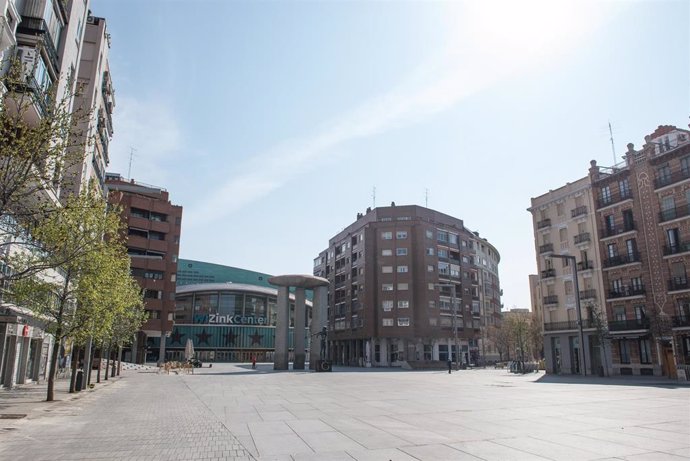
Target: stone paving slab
(232, 412)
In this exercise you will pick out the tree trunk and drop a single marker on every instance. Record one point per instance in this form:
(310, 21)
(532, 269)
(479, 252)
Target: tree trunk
(107, 361)
(76, 352)
(100, 365)
(88, 360)
(50, 396)
(119, 359)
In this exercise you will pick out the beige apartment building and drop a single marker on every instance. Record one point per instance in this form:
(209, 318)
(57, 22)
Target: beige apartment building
(565, 223)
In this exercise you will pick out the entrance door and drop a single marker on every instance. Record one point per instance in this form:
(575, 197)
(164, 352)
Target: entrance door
(668, 362)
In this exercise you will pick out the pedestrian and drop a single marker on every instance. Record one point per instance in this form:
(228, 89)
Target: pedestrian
(450, 366)
(253, 362)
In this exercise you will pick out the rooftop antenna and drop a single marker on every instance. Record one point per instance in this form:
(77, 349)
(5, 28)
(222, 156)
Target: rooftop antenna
(426, 198)
(613, 147)
(373, 196)
(131, 155)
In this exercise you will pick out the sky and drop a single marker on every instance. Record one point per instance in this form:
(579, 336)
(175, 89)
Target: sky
(273, 122)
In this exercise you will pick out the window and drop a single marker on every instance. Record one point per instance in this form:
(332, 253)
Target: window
(402, 269)
(605, 195)
(387, 235)
(387, 305)
(663, 175)
(429, 234)
(563, 234)
(429, 251)
(402, 286)
(442, 236)
(387, 269)
(668, 208)
(401, 251)
(636, 284)
(401, 235)
(645, 351)
(631, 249)
(624, 188)
(387, 322)
(673, 237)
(387, 287)
(404, 322)
(560, 209)
(619, 314)
(431, 286)
(612, 250)
(442, 253)
(443, 268)
(387, 252)
(432, 304)
(628, 222)
(610, 223)
(685, 166)
(430, 268)
(624, 351)
(403, 304)
(453, 239)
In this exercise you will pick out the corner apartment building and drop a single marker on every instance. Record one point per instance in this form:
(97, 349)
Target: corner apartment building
(643, 210)
(153, 240)
(403, 281)
(639, 234)
(564, 222)
(46, 37)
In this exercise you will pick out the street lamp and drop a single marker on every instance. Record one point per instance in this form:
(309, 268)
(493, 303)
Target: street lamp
(583, 364)
(455, 315)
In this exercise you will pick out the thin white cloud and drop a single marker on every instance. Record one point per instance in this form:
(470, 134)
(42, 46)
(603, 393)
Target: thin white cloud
(150, 127)
(479, 55)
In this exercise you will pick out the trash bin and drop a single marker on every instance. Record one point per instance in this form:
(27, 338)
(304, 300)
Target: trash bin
(79, 380)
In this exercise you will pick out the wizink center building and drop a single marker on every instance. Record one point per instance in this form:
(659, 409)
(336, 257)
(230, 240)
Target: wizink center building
(227, 312)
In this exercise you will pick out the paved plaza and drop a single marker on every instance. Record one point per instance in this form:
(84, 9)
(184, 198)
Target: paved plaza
(233, 412)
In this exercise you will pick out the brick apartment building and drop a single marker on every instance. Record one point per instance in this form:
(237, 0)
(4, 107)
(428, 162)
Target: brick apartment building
(153, 239)
(392, 274)
(640, 254)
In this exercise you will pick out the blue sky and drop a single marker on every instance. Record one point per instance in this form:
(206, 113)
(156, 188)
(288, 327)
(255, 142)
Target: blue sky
(271, 122)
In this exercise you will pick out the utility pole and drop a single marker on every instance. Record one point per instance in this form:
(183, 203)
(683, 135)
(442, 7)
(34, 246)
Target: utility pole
(373, 197)
(131, 155)
(613, 147)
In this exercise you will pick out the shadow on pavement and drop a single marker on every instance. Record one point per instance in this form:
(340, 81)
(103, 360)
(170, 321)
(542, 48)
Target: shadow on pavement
(649, 381)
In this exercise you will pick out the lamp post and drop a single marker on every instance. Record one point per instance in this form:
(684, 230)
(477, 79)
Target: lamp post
(455, 315)
(583, 363)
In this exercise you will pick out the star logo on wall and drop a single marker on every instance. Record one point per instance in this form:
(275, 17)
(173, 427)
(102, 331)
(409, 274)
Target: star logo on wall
(176, 337)
(203, 337)
(256, 337)
(230, 338)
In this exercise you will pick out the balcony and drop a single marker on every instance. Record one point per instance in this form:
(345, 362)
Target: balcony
(681, 247)
(625, 292)
(612, 199)
(569, 325)
(582, 238)
(546, 248)
(36, 27)
(585, 265)
(667, 180)
(620, 260)
(551, 299)
(676, 212)
(579, 211)
(681, 321)
(588, 294)
(548, 273)
(678, 283)
(626, 325)
(544, 223)
(617, 230)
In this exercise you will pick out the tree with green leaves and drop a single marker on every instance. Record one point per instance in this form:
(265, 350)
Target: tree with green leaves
(41, 136)
(91, 288)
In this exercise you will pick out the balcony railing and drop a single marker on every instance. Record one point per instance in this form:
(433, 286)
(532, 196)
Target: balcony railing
(569, 325)
(676, 176)
(588, 294)
(619, 260)
(551, 299)
(579, 211)
(625, 292)
(546, 248)
(613, 231)
(548, 273)
(680, 247)
(681, 321)
(582, 238)
(544, 223)
(679, 211)
(585, 265)
(678, 283)
(610, 200)
(625, 325)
